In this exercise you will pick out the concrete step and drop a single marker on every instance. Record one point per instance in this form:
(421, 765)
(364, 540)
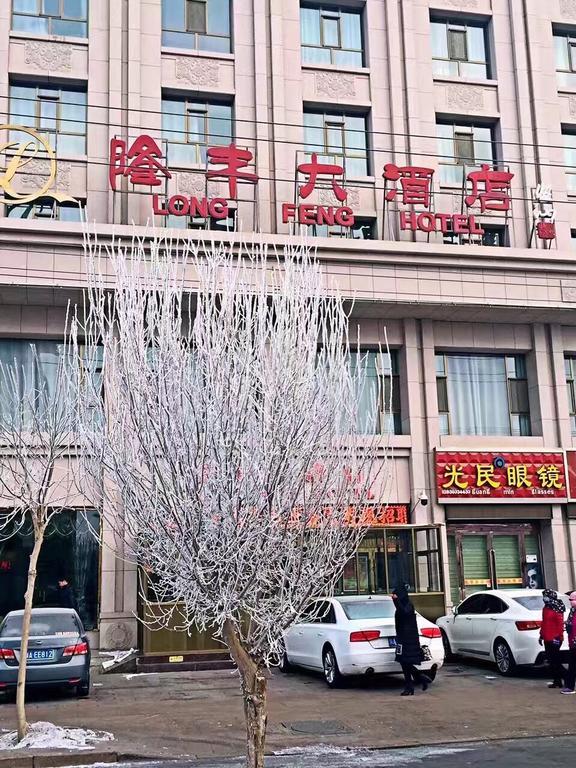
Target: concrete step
(191, 662)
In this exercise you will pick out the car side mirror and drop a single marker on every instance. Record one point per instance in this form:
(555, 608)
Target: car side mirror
(455, 610)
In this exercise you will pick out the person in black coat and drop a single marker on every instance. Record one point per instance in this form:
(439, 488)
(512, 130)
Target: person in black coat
(65, 596)
(408, 650)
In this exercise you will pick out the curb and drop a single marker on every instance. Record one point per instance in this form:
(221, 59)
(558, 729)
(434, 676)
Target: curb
(57, 760)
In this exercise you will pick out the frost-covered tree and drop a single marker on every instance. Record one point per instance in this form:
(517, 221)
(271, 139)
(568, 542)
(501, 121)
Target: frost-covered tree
(37, 413)
(226, 437)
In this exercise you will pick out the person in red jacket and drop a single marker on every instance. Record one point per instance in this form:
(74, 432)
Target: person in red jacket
(552, 634)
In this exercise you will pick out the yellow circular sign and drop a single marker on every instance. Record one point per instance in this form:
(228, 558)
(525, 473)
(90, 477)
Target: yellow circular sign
(18, 159)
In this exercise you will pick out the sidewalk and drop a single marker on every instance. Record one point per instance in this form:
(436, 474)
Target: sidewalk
(199, 714)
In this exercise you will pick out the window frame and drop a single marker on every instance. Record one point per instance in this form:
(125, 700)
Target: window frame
(463, 128)
(381, 398)
(569, 168)
(53, 136)
(192, 106)
(50, 17)
(569, 38)
(45, 202)
(570, 375)
(451, 24)
(334, 13)
(330, 121)
(443, 394)
(195, 35)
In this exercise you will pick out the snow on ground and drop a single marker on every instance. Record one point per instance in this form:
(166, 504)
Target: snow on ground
(48, 736)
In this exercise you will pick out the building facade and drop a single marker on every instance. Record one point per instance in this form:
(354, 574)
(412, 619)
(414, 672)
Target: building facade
(427, 149)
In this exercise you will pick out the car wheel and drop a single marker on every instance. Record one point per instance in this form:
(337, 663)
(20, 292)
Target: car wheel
(332, 673)
(83, 690)
(284, 665)
(448, 655)
(504, 658)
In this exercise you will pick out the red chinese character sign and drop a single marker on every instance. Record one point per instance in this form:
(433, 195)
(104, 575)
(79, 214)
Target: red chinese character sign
(140, 163)
(319, 174)
(488, 189)
(482, 476)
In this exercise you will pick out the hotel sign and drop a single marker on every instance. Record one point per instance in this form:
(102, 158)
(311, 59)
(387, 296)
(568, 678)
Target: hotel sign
(484, 476)
(16, 156)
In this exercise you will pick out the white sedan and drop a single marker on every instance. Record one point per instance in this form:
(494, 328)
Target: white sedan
(354, 636)
(499, 625)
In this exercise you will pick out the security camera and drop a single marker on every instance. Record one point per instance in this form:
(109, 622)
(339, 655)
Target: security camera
(423, 499)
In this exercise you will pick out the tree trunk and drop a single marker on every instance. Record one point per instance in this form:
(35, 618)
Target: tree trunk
(254, 685)
(21, 687)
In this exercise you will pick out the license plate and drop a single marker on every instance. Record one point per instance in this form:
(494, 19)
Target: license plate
(48, 655)
(391, 642)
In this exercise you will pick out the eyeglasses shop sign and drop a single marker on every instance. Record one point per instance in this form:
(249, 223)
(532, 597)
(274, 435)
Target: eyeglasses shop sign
(503, 477)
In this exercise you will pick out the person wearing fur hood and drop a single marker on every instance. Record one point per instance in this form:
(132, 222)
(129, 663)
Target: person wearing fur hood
(552, 634)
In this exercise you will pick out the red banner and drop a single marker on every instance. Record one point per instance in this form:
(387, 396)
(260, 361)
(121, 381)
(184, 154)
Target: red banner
(487, 475)
(571, 467)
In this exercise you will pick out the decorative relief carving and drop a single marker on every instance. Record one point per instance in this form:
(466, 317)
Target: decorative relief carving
(38, 172)
(327, 197)
(198, 71)
(196, 185)
(465, 97)
(461, 5)
(568, 8)
(335, 85)
(117, 637)
(572, 105)
(48, 56)
(569, 290)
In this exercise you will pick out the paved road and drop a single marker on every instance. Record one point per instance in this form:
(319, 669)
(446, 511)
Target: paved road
(558, 751)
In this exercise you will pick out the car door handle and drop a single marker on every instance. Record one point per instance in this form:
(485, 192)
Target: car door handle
(300, 633)
(319, 634)
(493, 618)
(468, 618)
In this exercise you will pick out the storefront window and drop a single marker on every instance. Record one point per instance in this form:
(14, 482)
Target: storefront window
(70, 552)
(391, 556)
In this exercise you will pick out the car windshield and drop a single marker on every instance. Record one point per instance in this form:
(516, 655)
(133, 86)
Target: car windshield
(536, 603)
(369, 609)
(47, 624)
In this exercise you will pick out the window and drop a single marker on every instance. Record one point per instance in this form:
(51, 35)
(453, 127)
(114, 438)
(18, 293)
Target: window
(570, 160)
(190, 127)
(362, 229)
(493, 604)
(382, 374)
(565, 49)
(331, 36)
(573, 238)
(45, 208)
(482, 395)
(338, 139)
(59, 114)
(473, 605)
(463, 148)
(495, 235)
(227, 224)
(459, 50)
(570, 367)
(51, 17)
(70, 551)
(201, 25)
